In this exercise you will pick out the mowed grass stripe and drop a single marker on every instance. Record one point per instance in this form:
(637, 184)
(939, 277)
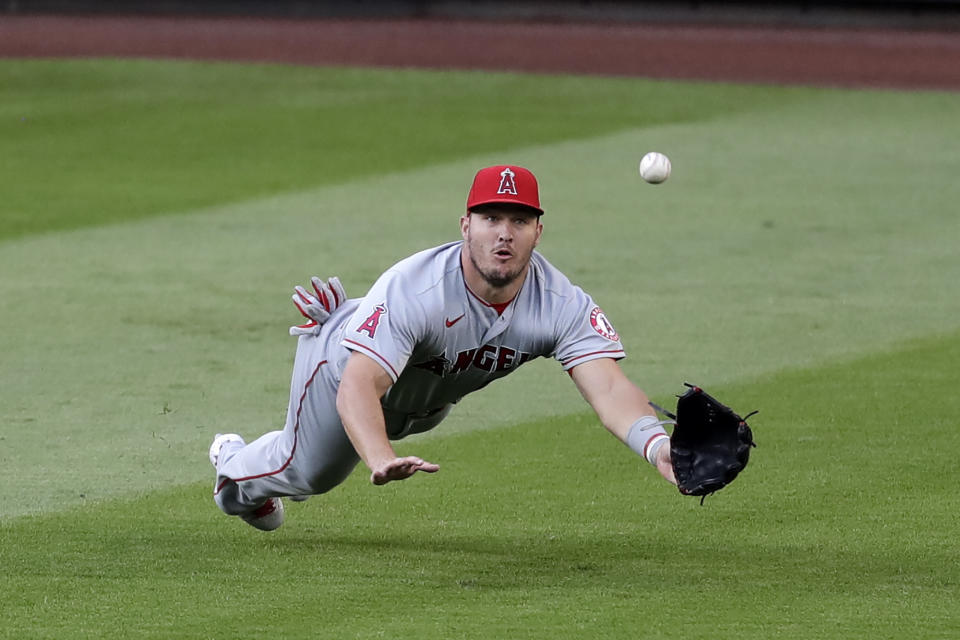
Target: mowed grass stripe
(837, 529)
(90, 142)
(175, 327)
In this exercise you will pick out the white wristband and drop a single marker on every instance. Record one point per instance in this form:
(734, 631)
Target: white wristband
(654, 448)
(646, 436)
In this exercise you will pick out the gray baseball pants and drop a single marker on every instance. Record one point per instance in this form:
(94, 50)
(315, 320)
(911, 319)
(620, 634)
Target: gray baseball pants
(312, 453)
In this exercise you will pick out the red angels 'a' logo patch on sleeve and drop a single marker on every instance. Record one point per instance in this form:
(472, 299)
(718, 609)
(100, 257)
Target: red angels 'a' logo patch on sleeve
(370, 325)
(602, 326)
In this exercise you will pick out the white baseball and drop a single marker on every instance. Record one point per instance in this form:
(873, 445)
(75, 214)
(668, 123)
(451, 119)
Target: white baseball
(655, 167)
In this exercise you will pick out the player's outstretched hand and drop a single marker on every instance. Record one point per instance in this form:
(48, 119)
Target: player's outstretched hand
(401, 469)
(665, 464)
(316, 307)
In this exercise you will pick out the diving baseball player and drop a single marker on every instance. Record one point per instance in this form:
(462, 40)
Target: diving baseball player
(434, 327)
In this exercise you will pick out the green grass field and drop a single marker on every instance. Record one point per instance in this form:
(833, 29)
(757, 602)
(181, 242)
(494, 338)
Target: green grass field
(801, 261)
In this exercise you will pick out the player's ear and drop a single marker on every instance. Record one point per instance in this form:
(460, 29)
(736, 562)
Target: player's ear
(539, 232)
(464, 224)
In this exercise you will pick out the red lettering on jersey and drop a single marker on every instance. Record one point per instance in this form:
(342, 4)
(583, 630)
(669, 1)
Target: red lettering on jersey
(370, 325)
(505, 358)
(464, 358)
(482, 361)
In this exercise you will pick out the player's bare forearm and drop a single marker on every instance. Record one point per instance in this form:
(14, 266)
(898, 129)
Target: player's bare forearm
(617, 401)
(620, 404)
(358, 402)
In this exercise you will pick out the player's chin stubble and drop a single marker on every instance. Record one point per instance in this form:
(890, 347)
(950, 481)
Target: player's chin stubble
(495, 278)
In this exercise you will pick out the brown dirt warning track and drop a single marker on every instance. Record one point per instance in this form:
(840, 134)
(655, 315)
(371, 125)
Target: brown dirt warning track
(831, 56)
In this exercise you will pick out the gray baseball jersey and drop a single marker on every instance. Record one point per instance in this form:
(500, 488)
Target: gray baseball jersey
(437, 340)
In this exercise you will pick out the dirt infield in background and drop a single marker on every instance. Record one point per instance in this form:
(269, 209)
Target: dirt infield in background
(814, 56)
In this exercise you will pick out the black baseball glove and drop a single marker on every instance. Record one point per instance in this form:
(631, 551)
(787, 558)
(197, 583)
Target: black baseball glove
(710, 443)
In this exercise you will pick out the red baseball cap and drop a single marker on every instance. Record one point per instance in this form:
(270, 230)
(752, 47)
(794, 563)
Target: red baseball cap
(505, 183)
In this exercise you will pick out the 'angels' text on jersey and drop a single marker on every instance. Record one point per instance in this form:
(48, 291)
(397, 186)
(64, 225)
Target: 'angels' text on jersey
(486, 358)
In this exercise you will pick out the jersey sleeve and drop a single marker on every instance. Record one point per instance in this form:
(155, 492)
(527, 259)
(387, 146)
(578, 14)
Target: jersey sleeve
(387, 324)
(585, 333)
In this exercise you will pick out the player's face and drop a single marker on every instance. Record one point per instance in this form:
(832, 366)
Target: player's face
(499, 242)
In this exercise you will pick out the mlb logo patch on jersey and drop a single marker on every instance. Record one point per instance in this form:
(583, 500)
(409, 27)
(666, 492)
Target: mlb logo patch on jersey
(602, 326)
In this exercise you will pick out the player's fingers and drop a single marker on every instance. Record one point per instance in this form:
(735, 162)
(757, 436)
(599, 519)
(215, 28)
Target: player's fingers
(298, 303)
(405, 468)
(303, 295)
(401, 468)
(309, 306)
(419, 464)
(323, 293)
(339, 292)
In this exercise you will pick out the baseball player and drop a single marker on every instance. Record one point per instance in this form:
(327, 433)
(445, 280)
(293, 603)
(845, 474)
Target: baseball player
(434, 327)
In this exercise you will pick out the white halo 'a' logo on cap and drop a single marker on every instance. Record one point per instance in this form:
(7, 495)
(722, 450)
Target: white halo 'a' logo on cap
(507, 185)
